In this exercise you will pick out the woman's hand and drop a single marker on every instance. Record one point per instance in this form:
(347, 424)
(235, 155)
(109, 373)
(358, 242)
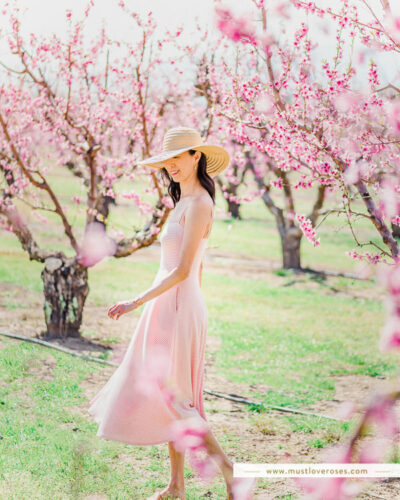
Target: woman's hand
(121, 308)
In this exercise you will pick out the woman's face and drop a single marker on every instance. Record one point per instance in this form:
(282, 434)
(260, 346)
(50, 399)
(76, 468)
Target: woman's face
(182, 166)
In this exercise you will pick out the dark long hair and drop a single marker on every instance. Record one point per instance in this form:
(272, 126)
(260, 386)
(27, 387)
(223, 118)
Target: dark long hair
(174, 189)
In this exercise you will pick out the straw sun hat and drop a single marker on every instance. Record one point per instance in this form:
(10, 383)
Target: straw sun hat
(180, 139)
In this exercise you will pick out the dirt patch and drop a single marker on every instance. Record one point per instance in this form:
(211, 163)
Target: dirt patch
(356, 389)
(20, 310)
(43, 369)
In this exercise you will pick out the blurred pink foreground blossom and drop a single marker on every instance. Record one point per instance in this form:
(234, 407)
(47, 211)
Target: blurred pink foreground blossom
(96, 245)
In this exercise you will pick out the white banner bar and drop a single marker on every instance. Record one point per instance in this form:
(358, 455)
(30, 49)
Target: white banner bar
(316, 470)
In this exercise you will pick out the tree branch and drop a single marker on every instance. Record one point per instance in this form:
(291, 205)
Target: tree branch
(25, 237)
(41, 185)
(377, 221)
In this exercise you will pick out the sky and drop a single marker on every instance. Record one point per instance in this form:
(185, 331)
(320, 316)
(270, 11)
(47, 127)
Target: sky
(47, 16)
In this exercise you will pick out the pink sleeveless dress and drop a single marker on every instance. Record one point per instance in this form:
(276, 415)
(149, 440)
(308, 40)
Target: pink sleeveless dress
(175, 322)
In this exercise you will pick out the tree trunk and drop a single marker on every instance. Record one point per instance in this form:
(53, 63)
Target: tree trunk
(65, 290)
(230, 189)
(290, 241)
(395, 231)
(233, 208)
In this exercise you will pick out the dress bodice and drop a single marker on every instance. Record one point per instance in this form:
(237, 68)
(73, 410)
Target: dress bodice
(171, 238)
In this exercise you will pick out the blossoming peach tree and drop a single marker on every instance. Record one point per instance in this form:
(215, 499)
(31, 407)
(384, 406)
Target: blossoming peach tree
(91, 108)
(305, 121)
(326, 131)
(331, 134)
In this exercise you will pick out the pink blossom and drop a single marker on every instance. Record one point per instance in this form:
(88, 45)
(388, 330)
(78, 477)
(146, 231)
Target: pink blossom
(345, 410)
(266, 41)
(77, 200)
(389, 202)
(189, 433)
(331, 488)
(347, 100)
(339, 453)
(372, 258)
(234, 28)
(96, 245)
(394, 118)
(352, 174)
(393, 27)
(280, 8)
(308, 230)
(390, 278)
(390, 335)
(205, 466)
(242, 488)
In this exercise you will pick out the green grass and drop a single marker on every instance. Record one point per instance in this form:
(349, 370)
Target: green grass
(48, 450)
(293, 339)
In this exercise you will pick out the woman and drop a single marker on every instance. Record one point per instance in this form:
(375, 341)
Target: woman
(174, 318)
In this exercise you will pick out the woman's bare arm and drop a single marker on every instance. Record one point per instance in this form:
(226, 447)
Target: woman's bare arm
(197, 217)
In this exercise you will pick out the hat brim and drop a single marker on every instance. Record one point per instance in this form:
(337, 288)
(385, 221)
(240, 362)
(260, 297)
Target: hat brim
(217, 158)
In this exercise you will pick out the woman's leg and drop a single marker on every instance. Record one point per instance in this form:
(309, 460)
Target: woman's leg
(176, 485)
(177, 480)
(215, 451)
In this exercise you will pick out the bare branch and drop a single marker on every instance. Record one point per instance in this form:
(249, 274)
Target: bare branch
(13, 70)
(389, 86)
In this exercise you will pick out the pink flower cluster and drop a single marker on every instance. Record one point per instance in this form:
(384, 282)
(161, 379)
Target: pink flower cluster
(74, 106)
(234, 28)
(308, 230)
(372, 258)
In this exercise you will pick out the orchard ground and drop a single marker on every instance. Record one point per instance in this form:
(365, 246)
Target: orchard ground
(298, 340)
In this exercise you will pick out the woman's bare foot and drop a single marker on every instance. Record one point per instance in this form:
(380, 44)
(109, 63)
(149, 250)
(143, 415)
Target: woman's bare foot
(169, 492)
